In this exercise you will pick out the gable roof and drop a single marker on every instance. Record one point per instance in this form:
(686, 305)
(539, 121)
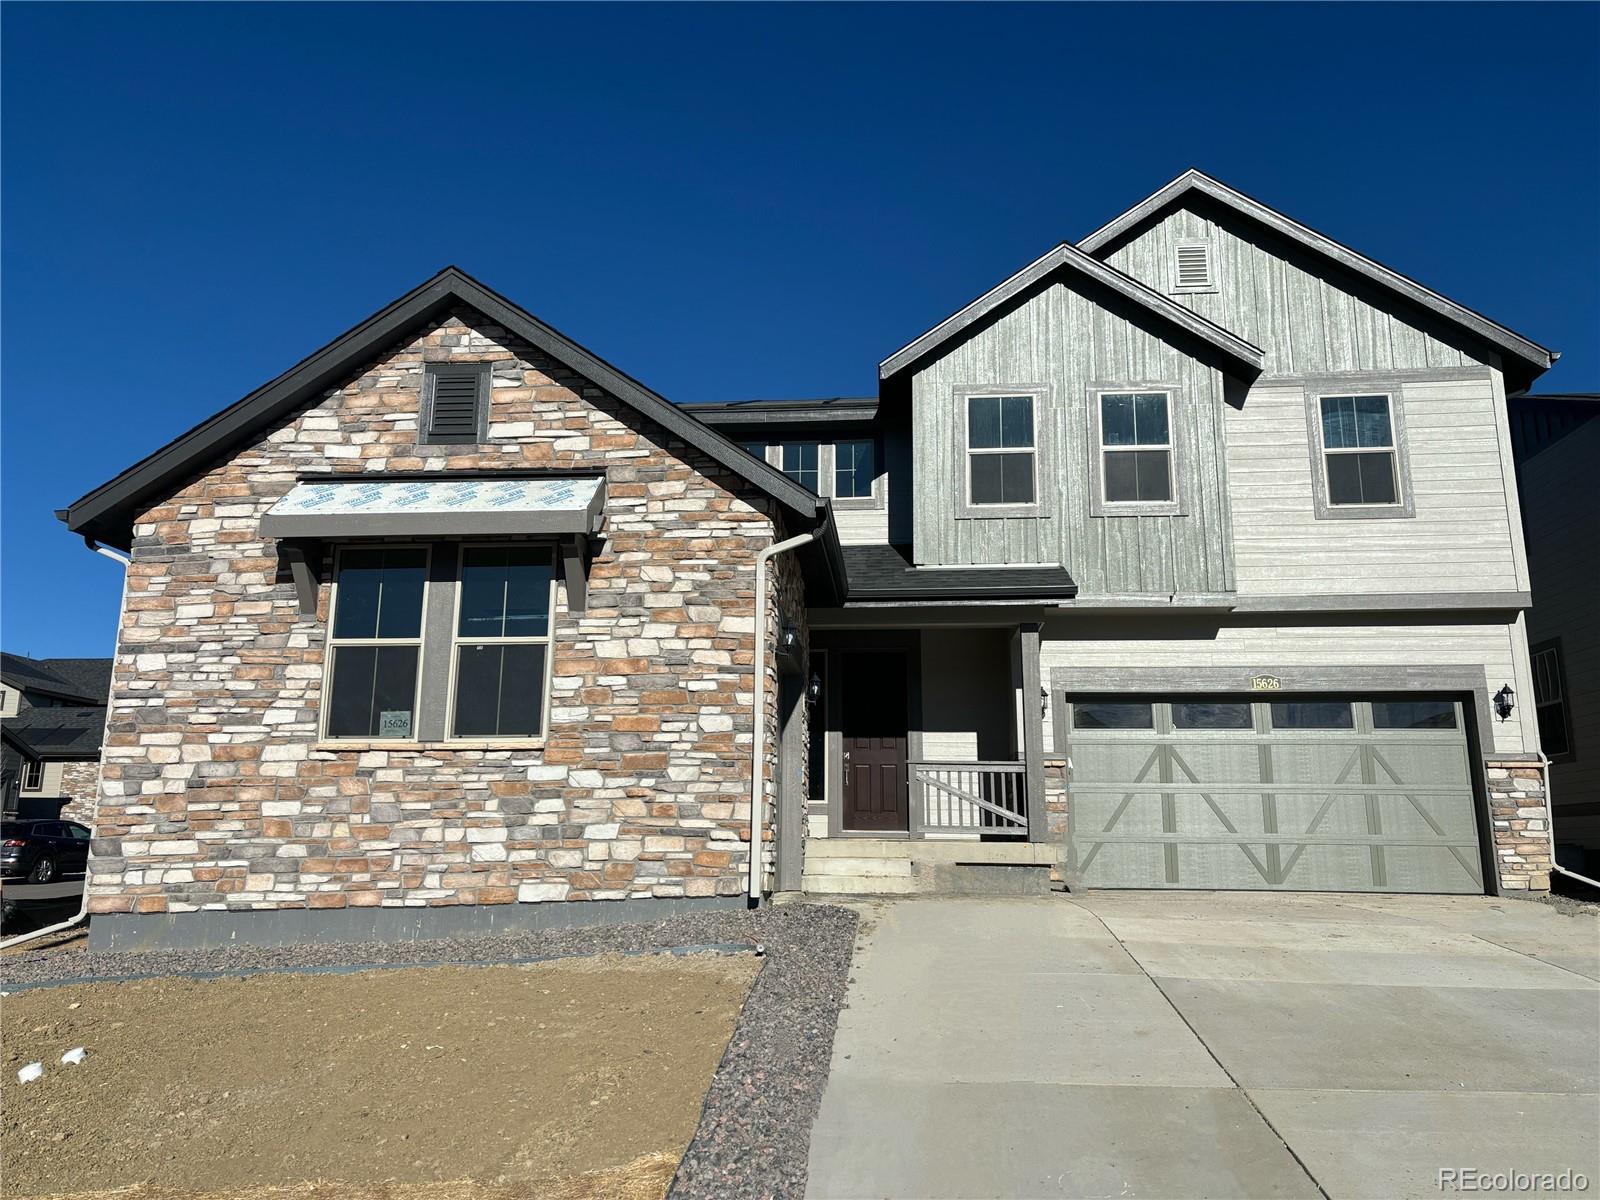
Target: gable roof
(107, 513)
(1066, 256)
(1193, 182)
(85, 679)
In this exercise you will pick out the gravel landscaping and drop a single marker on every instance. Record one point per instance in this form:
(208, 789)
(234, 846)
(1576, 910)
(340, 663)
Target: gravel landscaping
(755, 1126)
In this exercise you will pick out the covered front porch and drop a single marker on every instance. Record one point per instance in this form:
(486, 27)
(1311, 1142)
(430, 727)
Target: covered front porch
(926, 733)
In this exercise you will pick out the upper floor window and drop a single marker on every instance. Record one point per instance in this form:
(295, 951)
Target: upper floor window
(798, 460)
(1359, 464)
(1001, 446)
(1358, 450)
(755, 449)
(32, 775)
(455, 403)
(853, 469)
(1136, 447)
(1550, 701)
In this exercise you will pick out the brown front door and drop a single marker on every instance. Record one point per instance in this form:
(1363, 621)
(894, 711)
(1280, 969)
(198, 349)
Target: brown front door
(873, 735)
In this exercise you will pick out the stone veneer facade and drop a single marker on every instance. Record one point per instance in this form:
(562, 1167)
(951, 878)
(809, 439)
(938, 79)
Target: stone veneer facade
(1521, 824)
(216, 794)
(80, 783)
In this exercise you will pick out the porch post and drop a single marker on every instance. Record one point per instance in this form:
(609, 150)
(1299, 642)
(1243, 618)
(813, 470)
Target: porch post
(1030, 739)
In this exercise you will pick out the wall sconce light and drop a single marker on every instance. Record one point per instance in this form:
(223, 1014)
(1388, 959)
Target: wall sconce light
(814, 689)
(1504, 701)
(1044, 702)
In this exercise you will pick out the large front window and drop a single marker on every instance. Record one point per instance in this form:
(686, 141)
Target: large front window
(1000, 450)
(439, 643)
(502, 641)
(376, 643)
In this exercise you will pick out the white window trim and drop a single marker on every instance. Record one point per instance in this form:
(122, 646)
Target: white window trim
(778, 454)
(874, 497)
(547, 640)
(331, 643)
(1099, 506)
(1323, 507)
(32, 770)
(963, 458)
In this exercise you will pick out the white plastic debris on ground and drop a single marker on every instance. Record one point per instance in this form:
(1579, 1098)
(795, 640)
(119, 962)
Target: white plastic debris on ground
(31, 1072)
(74, 1057)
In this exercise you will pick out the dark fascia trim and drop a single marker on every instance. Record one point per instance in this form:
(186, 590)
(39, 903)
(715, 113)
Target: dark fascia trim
(106, 513)
(1497, 335)
(840, 410)
(1246, 356)
(47, 755)
(956, 591)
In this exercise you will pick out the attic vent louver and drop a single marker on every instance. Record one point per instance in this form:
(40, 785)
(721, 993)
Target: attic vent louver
(1194, 273)
(455, 403)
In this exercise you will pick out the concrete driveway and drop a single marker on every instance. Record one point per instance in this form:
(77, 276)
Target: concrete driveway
(1194, 1045)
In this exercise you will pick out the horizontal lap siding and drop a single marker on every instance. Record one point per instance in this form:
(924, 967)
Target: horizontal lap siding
(1274, 649)
(1459, 540)
(1062, 339)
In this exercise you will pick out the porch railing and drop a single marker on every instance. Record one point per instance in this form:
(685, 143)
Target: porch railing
(972, 797)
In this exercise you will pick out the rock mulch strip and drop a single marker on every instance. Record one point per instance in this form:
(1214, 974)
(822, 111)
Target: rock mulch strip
(755, 1126)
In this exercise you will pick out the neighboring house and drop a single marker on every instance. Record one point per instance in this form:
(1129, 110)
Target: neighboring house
(1187, 557)
(52, 717)
(1556, 439)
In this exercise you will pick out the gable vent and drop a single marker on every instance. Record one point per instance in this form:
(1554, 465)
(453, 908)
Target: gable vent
(1195, 268)
(455, 405)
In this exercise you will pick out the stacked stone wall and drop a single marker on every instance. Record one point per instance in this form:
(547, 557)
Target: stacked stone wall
(217, 793)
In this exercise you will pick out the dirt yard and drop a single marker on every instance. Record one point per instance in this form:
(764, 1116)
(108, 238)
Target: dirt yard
(573, 1079)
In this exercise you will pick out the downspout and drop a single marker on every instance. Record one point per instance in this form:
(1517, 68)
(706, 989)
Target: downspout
(1550, 828)
(758, 759)
(83, 901)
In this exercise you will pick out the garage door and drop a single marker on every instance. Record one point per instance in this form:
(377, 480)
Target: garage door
(1299, 793)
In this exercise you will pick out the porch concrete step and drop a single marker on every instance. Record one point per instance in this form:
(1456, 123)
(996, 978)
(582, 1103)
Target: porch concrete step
(856, 847)
(932, 850)
(887, 868)
(859, 885)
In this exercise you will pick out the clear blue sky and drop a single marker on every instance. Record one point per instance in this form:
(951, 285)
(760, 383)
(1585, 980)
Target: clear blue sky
(725, 201)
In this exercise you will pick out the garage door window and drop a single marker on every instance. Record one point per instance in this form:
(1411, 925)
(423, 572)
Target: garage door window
(1315, 714)
(1110, 714)
(1210, 714)
(1413, 714)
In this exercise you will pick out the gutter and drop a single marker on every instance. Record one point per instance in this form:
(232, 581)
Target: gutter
(759, 709)
(83, 901)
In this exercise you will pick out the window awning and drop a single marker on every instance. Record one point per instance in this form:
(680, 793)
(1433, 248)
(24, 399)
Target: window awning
(438, 508)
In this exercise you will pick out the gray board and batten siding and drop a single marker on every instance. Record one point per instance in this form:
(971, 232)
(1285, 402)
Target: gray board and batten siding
(1325, 331)
(1060, 340)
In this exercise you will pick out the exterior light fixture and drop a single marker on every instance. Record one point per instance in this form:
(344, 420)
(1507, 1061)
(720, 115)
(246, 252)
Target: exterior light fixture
(1504, 701)
(814, 688)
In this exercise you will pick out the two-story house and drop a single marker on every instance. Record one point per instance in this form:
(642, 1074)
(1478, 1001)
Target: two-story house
(1186, 557)
(52, 716)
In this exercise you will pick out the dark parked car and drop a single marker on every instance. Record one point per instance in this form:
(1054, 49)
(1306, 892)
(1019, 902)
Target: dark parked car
(43, 851)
